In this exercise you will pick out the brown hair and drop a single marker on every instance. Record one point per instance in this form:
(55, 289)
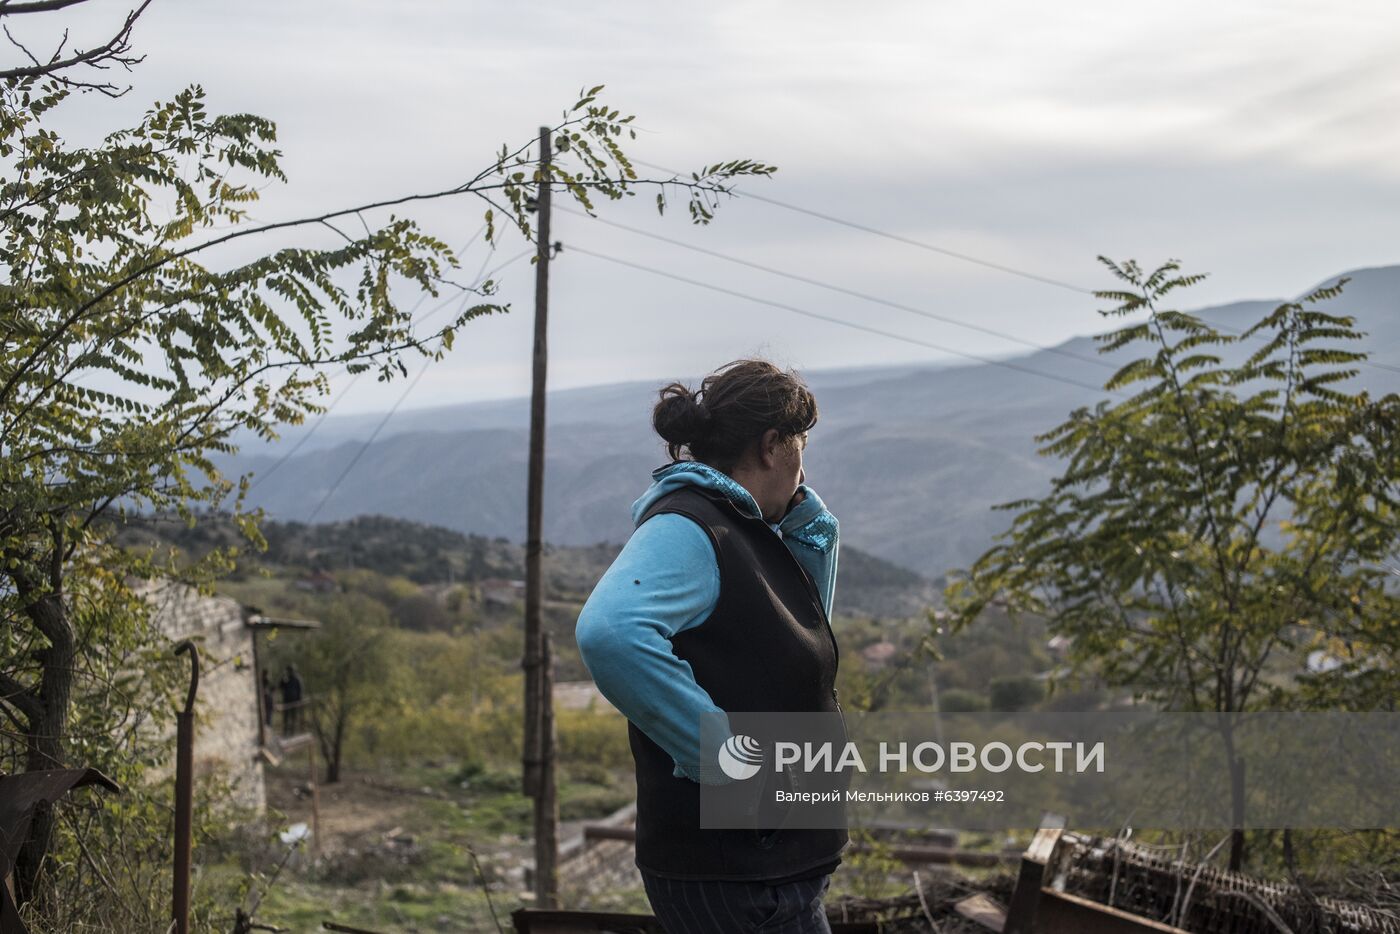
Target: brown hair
(734, 406)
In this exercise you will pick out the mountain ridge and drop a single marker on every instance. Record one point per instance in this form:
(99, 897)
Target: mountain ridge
(910, 458)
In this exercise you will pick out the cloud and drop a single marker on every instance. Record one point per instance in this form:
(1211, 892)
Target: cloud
(1252, 139)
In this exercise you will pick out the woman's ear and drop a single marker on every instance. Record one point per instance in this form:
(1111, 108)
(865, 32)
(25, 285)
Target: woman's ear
(768, 448)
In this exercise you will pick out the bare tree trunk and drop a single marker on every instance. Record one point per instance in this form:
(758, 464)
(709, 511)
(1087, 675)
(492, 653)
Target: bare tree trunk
(1237, 842)
(48, 730)
(1236, 765)
(331, 738)
(337, 749)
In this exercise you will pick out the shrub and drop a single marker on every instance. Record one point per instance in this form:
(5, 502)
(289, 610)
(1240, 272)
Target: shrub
(960, 701)
(1017, 693)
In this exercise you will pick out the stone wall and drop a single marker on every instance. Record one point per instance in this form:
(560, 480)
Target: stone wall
(226, 725)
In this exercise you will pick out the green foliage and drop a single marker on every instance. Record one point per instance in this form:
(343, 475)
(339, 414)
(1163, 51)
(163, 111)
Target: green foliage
(588, 134)
(960, 701)
(401, 695)
(136, 339)
(590, 802)
(996, 647)
(342, 670)
(1015, 693)
(872, 872)
(594, 736)
(1221, 521)
(111, 854)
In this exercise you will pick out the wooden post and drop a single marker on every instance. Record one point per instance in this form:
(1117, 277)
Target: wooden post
(263, 713)
(537, 770)
(315, 797)
(547, 801)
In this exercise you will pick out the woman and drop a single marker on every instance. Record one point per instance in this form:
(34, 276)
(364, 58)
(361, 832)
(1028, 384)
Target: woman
(705, 610)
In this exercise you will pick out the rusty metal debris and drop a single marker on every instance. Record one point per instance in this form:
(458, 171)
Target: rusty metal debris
(184, 794)
(1070, 882)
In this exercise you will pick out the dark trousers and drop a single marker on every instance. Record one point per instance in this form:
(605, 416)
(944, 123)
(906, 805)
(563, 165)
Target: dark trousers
(689, 907)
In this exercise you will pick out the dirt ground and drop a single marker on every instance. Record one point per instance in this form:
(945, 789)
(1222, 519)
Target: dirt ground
(363, 809)
(352, 812)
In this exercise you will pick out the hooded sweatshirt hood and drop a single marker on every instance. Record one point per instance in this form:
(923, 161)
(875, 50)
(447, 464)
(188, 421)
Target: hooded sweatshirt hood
(694, 473)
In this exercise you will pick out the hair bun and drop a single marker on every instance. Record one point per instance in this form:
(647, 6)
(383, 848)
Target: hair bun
(680, 418)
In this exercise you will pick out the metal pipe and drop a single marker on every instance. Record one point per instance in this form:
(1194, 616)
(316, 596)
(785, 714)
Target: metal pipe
(184, 792)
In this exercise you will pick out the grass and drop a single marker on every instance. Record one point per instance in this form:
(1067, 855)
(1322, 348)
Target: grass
(449, 809)
(402, 907)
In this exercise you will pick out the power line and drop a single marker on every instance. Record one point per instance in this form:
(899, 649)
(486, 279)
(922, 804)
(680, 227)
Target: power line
(356, 378)
(305, 437)
(390, 414)
(864, 296)
(821, 317)
(1391, 368)
(365, 447)
(434, 311)
(479, 280)
(899, 238)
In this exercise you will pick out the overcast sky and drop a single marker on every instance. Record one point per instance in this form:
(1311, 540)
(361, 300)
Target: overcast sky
(1254, 141)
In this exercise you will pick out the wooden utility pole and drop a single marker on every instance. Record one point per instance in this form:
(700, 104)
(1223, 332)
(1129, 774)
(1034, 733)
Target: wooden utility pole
(538, 765)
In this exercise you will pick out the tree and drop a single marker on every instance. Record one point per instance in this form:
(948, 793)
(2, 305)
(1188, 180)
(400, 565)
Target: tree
(1215, 526)
(114, 849)
(1018, 692)
(132, 347)
(345, 670)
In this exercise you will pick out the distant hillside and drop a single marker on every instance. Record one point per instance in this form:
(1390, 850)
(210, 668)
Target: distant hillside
(429, 554)
(910, 458)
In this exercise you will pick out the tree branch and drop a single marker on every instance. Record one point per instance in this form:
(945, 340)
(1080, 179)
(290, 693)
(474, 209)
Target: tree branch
(9, 7)
(468, 188)
(114, 49)
(20, 697)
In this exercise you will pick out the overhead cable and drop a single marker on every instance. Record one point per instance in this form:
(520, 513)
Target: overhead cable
(864, 296)
(570, 247)
(899, 238)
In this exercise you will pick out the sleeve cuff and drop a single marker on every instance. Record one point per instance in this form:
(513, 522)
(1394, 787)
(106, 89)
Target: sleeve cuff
(811, 523)
(709, 772)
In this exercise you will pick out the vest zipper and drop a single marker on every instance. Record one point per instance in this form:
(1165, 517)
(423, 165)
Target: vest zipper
(817, 600)
(821, 609)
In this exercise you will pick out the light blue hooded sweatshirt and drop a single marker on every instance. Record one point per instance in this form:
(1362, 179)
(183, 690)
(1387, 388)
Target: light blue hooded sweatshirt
(665, 581)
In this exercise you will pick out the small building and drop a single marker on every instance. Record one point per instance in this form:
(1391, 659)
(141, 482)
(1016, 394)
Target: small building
(231, 739)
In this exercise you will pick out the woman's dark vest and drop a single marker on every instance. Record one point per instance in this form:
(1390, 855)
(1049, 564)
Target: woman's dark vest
(766, 647)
